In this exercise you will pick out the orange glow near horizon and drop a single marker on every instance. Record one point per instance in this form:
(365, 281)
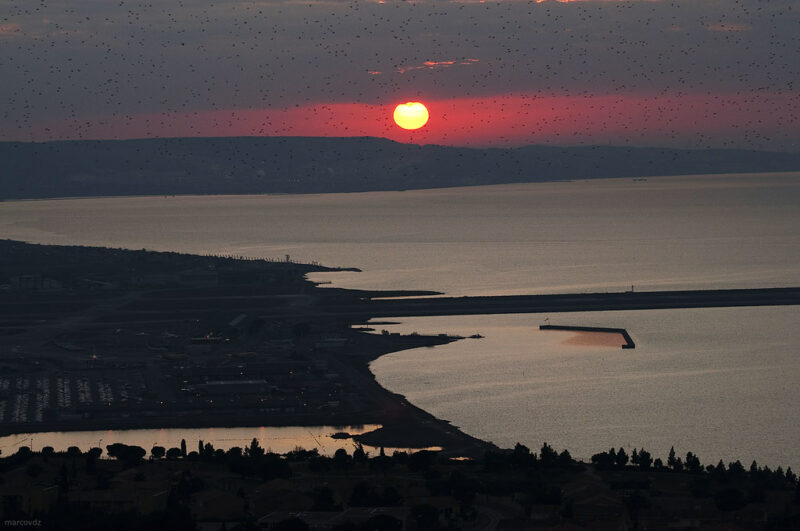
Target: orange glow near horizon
(696, 120)
(411, 115)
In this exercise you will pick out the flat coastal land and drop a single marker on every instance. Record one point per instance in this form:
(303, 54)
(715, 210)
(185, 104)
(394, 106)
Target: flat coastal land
(94, 338)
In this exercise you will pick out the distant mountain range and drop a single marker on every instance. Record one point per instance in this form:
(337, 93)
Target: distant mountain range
(255, 165)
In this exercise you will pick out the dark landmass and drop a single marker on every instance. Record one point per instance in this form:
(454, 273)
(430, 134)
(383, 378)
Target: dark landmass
(106, 338)
(199, 487)
(370, 303)
(94, 338)
(258, 165)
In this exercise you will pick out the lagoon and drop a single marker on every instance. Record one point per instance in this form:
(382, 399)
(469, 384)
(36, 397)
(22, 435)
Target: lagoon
(275, 439)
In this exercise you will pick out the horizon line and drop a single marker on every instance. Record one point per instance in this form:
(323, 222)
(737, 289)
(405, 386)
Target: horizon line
(367, 137)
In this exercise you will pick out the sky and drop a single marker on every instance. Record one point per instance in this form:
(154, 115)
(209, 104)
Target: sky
(694, 74)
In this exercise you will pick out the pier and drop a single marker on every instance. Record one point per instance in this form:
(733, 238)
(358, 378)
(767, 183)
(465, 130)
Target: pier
(621, 331)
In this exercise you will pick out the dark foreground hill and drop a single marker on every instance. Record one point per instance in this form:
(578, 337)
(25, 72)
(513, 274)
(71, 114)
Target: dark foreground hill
(249, 488)
(252, 165)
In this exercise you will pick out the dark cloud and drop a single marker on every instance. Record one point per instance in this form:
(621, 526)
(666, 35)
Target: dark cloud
(92, 58)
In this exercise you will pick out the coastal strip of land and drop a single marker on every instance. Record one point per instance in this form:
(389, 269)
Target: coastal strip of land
(361, 306)
(112, 339)
(585, 302)
(94, 338)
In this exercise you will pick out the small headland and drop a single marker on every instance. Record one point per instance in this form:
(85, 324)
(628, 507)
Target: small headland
(597, 329)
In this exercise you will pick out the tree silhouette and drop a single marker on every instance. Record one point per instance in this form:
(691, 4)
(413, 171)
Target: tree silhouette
(622, 457)
(381, 462)
(671, 459)
(548, 456)
(341, 459)
(208, 451)
(130, 455)
(564, 458)
(736, 470)
(421, 461)
(693, 463)
(359, 455)
(521, 456)
(255, 450)
(173, 453)
(645, 459)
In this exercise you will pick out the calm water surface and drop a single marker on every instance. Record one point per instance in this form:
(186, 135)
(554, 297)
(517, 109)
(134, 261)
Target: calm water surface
(276, 439)
(698, 379)
(662, 233)
(720, 383)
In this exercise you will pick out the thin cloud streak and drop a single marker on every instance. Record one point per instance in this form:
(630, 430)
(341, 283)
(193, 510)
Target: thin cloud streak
(434, 65)
(729, 27)
(10, 30)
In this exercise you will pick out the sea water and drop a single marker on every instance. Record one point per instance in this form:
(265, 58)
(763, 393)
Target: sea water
(680, 386)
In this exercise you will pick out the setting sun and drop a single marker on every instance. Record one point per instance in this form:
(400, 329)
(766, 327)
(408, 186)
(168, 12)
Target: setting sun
(411, 115)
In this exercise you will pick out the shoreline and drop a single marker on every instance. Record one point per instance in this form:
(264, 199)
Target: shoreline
(402, 424)
(162, 347)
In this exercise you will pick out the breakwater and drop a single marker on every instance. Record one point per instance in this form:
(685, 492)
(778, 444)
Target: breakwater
(335, 303)
(580, 302)
(621, 331)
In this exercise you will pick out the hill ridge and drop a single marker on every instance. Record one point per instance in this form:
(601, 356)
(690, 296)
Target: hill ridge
(256, 165)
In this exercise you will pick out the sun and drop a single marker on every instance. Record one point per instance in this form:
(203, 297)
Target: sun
(411, 115)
